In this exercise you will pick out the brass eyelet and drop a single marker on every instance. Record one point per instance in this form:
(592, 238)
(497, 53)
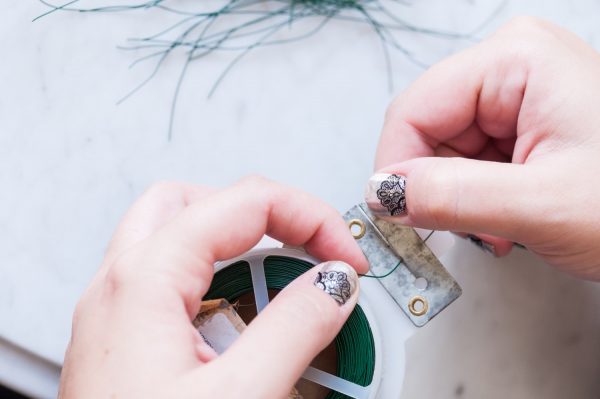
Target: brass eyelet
(421, 303)
(361, 231)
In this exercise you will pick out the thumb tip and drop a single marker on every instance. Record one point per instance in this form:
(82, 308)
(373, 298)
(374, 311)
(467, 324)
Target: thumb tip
(337, 279)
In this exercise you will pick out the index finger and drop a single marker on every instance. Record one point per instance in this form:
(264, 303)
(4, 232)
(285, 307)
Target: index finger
(230, 222)
(159, 204)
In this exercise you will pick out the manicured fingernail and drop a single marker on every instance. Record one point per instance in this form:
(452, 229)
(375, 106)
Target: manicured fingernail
(484, 245)
(337, 279)
(385, 194)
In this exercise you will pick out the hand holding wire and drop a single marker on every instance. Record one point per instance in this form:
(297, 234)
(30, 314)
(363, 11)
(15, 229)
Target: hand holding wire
(501, 141)
(132, 332)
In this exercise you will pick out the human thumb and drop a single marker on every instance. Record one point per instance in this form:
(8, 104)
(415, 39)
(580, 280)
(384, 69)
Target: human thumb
(295, 327)
(464, 195)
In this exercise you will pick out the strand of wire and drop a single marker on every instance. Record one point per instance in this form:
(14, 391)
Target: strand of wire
(252, 24)
(397, 264)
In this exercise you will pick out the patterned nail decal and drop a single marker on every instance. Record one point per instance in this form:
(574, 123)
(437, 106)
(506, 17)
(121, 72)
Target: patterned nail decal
(483, 245)
(338, 280)
(386, 195)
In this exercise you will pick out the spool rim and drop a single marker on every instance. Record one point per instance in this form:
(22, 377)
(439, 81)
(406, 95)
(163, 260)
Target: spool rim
(260, 255)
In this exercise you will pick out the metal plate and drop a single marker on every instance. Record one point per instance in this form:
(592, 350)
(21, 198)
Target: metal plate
(386, 245)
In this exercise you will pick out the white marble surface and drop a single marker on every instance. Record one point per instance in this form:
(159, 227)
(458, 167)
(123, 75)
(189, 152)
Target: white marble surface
(307, 114)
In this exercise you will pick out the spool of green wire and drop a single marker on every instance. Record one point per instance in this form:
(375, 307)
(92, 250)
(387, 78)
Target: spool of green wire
(354, 344)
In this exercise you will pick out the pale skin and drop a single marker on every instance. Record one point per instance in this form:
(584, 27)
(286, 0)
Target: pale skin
(132, 334)
(501, 140)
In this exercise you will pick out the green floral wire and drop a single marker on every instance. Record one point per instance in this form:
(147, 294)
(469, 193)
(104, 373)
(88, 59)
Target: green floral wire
(254, 24)
(354, 344)
(385, 275)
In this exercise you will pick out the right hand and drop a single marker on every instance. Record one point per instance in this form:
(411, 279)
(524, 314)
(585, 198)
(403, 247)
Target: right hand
(503, 141)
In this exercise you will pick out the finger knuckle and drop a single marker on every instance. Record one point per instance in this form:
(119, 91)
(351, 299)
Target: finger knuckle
(392, 111)
(264, 189)
(119, 275)
(521, 22)
(162, 187)
(79, 311)
(84, 306)
(527, 29)
(256, 180)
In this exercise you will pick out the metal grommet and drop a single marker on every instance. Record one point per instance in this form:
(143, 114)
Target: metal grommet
(414, 302)
(362, 229)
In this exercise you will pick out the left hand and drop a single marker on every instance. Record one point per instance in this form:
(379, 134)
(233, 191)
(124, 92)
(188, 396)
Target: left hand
(132, 334)
(501, 141)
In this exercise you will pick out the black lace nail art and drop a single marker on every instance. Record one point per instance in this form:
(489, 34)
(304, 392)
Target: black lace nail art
(335, 281)
(391, 194)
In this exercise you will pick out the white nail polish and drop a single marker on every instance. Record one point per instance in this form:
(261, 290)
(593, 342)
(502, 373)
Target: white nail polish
(385, 194)
(337, 279)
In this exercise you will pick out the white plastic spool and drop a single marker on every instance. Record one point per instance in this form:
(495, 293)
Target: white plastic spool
(379, 308)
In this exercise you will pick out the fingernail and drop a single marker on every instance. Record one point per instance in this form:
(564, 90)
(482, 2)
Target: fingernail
(516, 244)
(337, 279)
(483, 245)
(385, 194)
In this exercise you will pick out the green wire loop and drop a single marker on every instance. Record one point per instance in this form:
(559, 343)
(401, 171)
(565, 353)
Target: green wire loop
(385, 275)
(354, 344)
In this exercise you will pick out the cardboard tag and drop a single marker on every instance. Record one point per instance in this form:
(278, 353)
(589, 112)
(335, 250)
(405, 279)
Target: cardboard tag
(220, 325)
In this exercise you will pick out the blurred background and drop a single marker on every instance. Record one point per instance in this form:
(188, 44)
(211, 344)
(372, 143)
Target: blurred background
(307, 114)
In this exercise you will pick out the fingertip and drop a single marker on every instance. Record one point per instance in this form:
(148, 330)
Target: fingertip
(361, 263)
(346, 250)
(351, 252)
(353, 255)
(334, 241)
(335, 278)
(502, 247)
(205, 353)
(493, 245)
